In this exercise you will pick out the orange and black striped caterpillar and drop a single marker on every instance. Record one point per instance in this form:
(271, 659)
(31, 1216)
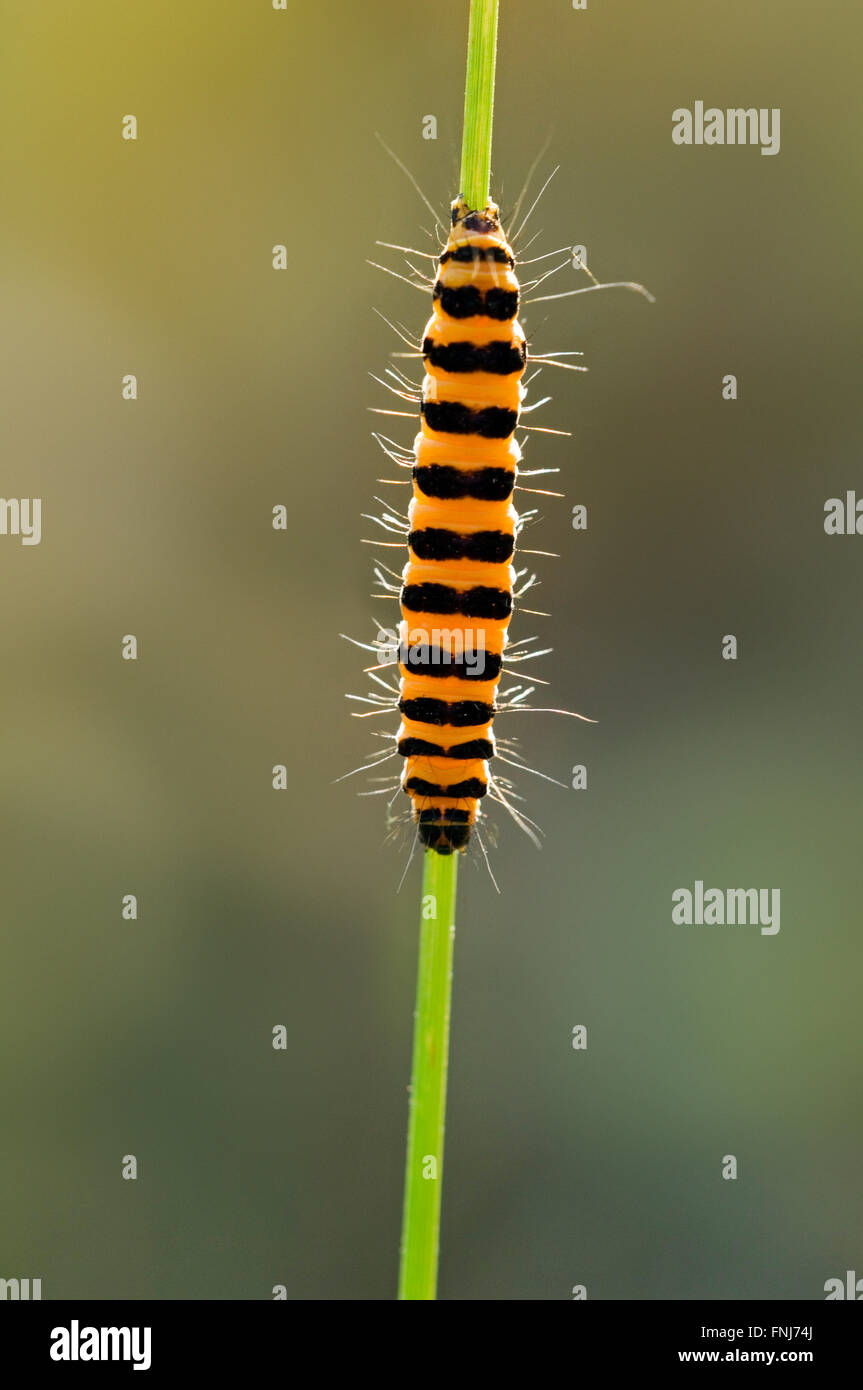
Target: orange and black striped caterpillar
(457, 591)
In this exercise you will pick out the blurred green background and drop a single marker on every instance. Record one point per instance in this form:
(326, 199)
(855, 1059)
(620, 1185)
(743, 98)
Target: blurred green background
(258, 907)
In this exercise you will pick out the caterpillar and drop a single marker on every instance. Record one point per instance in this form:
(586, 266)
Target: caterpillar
(457, 589)
(456, 597)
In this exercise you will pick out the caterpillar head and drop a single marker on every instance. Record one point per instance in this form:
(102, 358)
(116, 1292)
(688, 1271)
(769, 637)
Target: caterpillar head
(470, 220)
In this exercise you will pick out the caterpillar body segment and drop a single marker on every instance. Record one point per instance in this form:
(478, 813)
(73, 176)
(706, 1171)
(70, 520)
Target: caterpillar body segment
(457, 592)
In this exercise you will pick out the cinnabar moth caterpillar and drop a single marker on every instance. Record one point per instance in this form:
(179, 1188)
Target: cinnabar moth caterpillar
(457, 593)
(457, 589)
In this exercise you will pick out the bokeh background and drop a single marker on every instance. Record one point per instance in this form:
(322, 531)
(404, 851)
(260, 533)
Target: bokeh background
(258, 907)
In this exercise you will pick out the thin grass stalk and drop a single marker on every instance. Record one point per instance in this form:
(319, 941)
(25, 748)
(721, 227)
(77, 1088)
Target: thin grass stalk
(479, 103)
(424, 1164)
(427, 1111)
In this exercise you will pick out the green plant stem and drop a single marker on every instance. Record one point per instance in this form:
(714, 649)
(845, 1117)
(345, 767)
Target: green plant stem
(424, 1166)
(479, 103)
